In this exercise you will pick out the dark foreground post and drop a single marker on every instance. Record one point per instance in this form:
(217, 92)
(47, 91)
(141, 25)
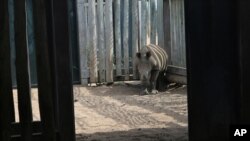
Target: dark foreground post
(218, 41)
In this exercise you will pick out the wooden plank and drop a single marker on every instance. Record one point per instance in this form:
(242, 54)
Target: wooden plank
(140, 23)
(118, 37)
(82, 41)
(23, 71)
(143, 23)
(101, 41)
(63, 93)
(5, 73)
(109, 41)
(167, 37)
(44, 71)
(183, 34)
(177, 70)
(177, 79)
(148, 22)
(160, 27)
(174, 51)
(153, 21)
(135, 34)
(125, 38)
(92, 41)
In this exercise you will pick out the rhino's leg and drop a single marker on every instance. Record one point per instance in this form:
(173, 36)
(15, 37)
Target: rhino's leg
(144, 88)
(153, 80)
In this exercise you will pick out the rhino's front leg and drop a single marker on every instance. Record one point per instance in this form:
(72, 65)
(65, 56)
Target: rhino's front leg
(153, 80)
(145, 89)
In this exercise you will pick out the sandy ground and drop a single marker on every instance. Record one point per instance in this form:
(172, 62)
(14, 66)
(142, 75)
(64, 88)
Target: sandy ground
(119, 113)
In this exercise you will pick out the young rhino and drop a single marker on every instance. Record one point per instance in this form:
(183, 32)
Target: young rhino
(151, 61)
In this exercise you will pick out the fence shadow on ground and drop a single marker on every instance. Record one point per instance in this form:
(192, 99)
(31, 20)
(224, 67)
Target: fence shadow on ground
(150, 134)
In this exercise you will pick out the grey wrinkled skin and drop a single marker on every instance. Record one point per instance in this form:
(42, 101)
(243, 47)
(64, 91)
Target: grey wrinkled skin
(150, 61)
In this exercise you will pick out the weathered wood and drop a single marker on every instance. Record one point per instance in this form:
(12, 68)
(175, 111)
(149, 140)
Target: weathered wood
(5, 73)
(177, 70)
(109, 40)
(160, 27)
(44, 71)
(183, 39)
(167, 38)
(63, 79)
(125, 38)
(153, 21)
(23, 70)
(143, 23)
(82, 39)
(180, 79)
(101, 41)
(177, 33)
(92, 41)
(148, 22)
(118, 37)
(135, 34)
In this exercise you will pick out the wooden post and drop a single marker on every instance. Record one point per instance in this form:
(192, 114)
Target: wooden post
(109, 40)
(153, 21)
(12, 52)
(118, 37)
(135, 34)
(125, 38)
(44, 71)
(82, 39)
(5, 74)
(218, 67)
(23, 70)
(160, 28)
(92, 41)
(60, 50)
(101, 42)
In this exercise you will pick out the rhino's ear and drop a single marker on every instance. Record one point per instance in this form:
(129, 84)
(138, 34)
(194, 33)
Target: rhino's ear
(138, 55)
(148, 54)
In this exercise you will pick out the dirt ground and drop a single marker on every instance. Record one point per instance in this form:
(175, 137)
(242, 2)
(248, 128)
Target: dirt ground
(119, 113)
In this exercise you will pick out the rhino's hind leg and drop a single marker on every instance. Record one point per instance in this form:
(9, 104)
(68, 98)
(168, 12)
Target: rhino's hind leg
(162, 82)
(153, 80)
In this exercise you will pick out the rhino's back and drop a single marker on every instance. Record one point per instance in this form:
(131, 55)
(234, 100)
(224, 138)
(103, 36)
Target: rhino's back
(159, 55)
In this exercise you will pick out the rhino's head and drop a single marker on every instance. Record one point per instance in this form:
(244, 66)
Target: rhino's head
(144, 63)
